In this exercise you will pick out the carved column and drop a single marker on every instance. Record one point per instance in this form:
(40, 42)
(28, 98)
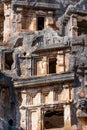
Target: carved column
(73, 26)
(28, 66)
(23, 109)
(60, 62)
(33, 22)
(67, 56)
(67, 117)
(44, 65)
(49, 20)
(51, 96)
(19, 19)
(7, 22)
(39, 119)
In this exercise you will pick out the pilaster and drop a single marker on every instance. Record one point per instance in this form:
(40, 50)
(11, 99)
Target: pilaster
(73, 26)
(67, 117)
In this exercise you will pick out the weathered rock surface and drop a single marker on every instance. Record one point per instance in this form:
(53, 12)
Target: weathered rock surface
(5, 126)
(43, 60)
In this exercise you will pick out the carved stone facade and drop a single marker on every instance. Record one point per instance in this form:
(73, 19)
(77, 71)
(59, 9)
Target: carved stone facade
(43, 63)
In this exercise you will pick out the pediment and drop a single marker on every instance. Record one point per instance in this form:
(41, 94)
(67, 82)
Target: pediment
(47, 37)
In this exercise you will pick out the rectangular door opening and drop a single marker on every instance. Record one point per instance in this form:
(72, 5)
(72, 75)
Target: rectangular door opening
(52, 65)
(40, 23)
(54, 120)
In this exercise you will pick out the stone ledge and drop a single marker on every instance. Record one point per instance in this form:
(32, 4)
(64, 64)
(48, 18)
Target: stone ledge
(36, 4)
(43, 80)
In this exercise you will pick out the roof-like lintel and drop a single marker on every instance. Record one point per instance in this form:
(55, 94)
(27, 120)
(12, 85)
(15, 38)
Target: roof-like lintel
(49, 79)
(33, 4)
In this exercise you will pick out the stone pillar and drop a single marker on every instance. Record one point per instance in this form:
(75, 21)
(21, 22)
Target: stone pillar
(39, 119)
(7, 22)
(19, 21)
(28, 67)
(42, 66)
(73, 31)
(67, 56)
(23, 110)
(33, 25)
(67, 117)
(38, 98)
(45, 65)
(51, 96)
(49, 21)
(60, 62)
(34, 120)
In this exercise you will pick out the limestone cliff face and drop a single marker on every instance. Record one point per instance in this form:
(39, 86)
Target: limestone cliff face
(44, 51)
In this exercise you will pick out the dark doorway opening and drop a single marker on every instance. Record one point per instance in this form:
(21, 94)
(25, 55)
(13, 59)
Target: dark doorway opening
(52, 66)
(8, 60)
(82, 27)
(54, 119)
(40, 23)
